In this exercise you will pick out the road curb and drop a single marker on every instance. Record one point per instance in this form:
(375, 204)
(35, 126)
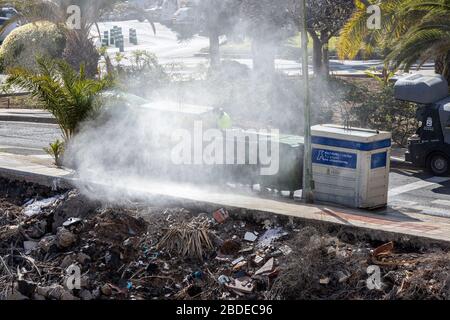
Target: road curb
(37, 178)
(13, 118)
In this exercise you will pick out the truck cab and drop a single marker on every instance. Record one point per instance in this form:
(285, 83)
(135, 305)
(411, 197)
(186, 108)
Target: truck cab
(430, 146)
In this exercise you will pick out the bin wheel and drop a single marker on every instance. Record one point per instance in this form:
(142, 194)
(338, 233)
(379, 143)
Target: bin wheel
(438, 164)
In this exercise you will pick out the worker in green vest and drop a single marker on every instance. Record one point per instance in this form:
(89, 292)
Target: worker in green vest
(224, 120)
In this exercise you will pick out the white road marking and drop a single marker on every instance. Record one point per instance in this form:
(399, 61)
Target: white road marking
(442, 202)
(403, 203)
(417, 185)
(438, 212)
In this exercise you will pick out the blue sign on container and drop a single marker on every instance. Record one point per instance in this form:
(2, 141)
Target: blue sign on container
(378, 160)
(334, 158)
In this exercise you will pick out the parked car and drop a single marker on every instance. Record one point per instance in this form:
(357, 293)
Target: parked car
(185, 16)
(6, 14)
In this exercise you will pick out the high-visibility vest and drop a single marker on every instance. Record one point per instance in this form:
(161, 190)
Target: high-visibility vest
(224, 121)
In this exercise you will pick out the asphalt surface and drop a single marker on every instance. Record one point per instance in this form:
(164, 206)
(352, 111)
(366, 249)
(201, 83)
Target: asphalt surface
(410, 188)
(414, 189)
(26, 138)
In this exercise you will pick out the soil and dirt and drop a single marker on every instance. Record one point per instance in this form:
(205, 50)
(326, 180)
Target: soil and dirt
(145, 252)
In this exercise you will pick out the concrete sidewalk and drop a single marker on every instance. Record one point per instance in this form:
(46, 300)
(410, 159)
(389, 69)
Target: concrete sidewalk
(26, 115)
(391, 225)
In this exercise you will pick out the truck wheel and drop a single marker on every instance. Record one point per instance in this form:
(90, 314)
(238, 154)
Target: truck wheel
(438, 164)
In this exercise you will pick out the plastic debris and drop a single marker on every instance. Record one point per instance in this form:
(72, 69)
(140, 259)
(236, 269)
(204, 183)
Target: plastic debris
(34, 207)
(271, 235)
(250, 236)
(71, 221)
(221, 215)
(235, 262)
(223, 279)
(258, 260)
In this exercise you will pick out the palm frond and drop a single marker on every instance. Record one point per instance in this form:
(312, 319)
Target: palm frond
(65, 93)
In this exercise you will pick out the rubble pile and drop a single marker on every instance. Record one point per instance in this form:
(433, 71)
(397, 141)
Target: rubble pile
(65, 247)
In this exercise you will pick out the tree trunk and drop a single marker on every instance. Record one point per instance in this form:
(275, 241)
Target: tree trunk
(317, 53)
(325, 70)
(214, 50)
(324, 40)
(442, 66)
(264, 53)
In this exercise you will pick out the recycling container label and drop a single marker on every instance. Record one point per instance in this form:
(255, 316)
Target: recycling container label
(334, 158)
(378, 160)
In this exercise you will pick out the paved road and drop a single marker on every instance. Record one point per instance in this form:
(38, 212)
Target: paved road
(419, 191)
(410, 189)
(26, 138)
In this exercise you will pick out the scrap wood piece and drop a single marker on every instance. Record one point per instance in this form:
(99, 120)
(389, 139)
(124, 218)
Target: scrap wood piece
(5, 266)
(383, 250)
(9, 232)
(397, 262)
(266, 268)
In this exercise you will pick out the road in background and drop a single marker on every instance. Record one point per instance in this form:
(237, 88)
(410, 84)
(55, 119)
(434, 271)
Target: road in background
(187, 58)
(27, 138)
(189, 54)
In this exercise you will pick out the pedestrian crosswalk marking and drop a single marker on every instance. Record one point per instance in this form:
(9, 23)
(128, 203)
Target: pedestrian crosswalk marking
(442, 202)
(417, 185)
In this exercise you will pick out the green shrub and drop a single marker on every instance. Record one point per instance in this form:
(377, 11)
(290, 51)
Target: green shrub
(24, 44)
(56, 150)
(383, 112)
(373, 105)
(140, 70)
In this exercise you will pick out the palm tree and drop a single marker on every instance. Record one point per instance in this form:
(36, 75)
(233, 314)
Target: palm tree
(67, 94)
(411, 31)
(355, 37)
(428, 38)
